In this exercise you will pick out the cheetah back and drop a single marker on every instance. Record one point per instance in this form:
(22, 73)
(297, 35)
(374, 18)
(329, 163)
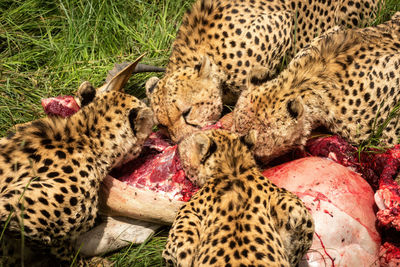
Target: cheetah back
(220, 42)
(238, 216)
(346, 81)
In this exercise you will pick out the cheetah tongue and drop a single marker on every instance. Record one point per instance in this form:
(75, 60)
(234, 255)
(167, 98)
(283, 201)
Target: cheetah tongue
(63, 106)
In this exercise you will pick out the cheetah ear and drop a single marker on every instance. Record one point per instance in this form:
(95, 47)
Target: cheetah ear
(118, 82)
(250, 138)
(204, 146)
(205, 68)
(151, 85)
(257, 76)
(295, 108)
(85, 94)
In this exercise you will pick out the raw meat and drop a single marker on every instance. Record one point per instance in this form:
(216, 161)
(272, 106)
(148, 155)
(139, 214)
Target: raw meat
(390, 255)
(342, 204)
(158, 169)
(63, 106)
(379, 169)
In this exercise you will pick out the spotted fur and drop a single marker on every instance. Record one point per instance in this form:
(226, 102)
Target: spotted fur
(238, 217)
(347, 81)
(51, 170)
(220, 42)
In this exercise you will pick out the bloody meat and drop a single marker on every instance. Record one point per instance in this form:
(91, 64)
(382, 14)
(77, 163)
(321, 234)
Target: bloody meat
(158, 169)
(63, 106)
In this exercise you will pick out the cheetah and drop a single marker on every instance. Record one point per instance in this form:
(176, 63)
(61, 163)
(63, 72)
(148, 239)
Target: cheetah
(347, 81)
(51, 170)
(238, 217)
(220, 42)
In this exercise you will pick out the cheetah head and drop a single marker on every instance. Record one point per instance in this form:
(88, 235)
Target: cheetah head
(212, 153)
(123, 122)
(117, 123)
(280, 122)
(186, 99)
(139, 119)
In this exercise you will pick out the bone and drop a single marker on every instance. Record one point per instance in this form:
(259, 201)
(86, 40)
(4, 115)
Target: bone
(114, 233)
(119, 199)
(138, 69)
(131, 215)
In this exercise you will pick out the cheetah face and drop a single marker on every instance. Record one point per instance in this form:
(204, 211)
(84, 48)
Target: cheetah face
(186, 100)
(139, 121)
(208, 153)
(288, 128)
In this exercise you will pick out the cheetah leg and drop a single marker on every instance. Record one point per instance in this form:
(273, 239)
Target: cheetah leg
(65, 253)
(183, 237)
(13, 254)
(295, 225)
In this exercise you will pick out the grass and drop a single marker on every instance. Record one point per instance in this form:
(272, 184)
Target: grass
(386, 12)
(48, 48)
(146, 254)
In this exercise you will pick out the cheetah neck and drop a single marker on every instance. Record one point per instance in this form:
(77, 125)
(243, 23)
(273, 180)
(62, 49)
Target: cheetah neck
(191, 39)
(240, 161)
(110, 143)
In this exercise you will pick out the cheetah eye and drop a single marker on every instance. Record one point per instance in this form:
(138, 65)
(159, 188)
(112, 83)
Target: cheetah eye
(295, 108)
(185, 115)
